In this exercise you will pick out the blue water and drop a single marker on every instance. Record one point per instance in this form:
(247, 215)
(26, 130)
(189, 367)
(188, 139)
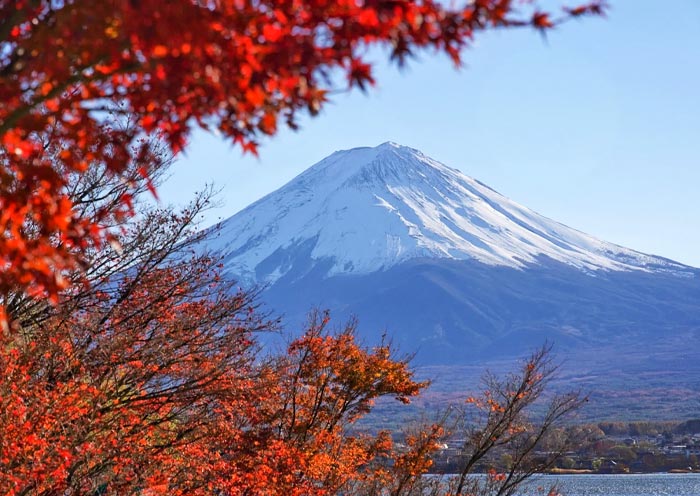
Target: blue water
(623, 485)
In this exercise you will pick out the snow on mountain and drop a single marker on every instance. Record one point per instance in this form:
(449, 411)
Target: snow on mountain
(368, 209)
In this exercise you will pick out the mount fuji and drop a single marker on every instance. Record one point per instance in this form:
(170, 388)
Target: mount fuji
(369, 209)
(454, 271)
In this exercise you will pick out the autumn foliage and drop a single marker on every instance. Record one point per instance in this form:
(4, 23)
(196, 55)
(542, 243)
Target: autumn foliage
(152, 383)
(183, 409)
(130, 365)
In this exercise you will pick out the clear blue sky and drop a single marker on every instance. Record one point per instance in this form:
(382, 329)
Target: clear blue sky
(598, 127)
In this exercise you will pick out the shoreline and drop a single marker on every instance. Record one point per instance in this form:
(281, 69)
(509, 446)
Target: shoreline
(590, 472)
(564, 471)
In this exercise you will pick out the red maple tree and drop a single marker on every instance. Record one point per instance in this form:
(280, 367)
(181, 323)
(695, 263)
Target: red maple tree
(150, 381)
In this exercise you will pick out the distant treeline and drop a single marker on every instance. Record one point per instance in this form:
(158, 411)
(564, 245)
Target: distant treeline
(648, 428)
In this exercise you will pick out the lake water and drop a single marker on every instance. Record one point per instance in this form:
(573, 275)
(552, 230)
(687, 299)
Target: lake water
(624, 485)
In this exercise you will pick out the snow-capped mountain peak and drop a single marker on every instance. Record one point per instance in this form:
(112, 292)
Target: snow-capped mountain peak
(367, 209)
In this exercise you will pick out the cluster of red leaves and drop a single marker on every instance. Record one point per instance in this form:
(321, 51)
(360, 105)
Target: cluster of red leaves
(329, 382)
(118, 398)
(157, 388)
(71, 71)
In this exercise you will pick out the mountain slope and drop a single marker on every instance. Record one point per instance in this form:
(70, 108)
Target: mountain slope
(467, 279)
(450, 268)
(457, 311)
(369, 209)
